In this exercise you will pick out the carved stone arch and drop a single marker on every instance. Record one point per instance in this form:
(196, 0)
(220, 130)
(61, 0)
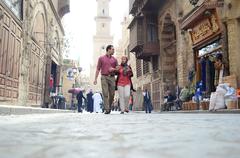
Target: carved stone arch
(166, 14)
(168, 39)
(37, 65)
(39, 29)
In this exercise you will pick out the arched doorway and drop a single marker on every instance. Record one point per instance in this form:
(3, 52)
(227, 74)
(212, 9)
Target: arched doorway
(37, 59)
(168, 55)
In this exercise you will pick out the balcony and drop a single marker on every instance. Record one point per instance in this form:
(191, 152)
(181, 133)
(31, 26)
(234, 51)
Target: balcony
(147, 50)
(144, 36)
(137, 6)
(136, 35)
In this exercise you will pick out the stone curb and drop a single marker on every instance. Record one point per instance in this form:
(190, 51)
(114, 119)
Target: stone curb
(222, 111)
(20, 110)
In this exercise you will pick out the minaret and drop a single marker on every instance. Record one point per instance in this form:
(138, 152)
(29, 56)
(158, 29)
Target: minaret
(101, 39)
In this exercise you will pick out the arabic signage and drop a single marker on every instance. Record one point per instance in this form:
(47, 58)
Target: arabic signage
(205, 28)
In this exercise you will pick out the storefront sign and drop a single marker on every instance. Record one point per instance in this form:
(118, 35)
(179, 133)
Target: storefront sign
(204, 29)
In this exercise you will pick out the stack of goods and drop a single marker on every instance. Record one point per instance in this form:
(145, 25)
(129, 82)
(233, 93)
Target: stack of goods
(189, 106)
(204, 105)
(225, 96)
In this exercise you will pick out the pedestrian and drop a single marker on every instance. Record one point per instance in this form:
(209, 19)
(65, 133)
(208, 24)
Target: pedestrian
(107, 64)
(97, 101)
(124, 84)
(51, 92)
(131, 101)
(51, 84)
(147, 101)
(80, 97)
(90, 101)
(169, 100)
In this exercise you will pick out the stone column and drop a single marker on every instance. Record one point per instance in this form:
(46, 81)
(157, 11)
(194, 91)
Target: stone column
(234, 48)
(25, 57)
(47, 77)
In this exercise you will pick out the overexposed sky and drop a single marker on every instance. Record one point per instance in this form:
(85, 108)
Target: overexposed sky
(80, 27)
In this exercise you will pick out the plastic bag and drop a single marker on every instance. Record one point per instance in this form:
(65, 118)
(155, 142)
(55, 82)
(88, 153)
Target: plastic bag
(213, 98)
(220, 102)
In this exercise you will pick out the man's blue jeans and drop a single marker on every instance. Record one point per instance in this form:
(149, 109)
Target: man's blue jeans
(148, 107)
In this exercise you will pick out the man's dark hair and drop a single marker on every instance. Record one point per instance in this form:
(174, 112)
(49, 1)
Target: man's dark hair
(109, 47)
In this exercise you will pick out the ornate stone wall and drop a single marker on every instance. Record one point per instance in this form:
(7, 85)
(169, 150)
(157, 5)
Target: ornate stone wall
(229, 15)
(10, 53)
(41, 35)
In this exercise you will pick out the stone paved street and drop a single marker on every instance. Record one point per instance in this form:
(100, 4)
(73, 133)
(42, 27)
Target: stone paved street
(134, 135)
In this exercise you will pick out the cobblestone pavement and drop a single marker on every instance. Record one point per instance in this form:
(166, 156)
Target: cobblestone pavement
(133, 135)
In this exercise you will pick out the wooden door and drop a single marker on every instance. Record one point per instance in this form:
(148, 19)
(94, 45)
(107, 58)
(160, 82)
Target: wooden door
(10, 52)
(36, 75)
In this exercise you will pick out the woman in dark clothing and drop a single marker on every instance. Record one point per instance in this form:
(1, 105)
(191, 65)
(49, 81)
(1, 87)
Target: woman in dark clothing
(79, 99)
(90, 102)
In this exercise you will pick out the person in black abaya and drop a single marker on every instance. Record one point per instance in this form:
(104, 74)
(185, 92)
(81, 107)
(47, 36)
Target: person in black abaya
(79, 99)
(90, 101)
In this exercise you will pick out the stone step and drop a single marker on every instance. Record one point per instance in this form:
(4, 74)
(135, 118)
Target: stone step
(21, 110)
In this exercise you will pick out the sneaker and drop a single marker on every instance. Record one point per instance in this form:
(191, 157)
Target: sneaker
(127, 111)
(122, 112)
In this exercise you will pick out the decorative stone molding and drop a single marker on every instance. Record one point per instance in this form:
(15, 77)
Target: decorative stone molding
(193, 2)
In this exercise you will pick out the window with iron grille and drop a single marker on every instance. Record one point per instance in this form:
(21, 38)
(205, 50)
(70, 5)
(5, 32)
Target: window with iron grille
(139, 67)
(145, 67)
(155, 63)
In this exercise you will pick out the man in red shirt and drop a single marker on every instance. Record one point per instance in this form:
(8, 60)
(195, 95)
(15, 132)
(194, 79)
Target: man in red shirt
(107, 64)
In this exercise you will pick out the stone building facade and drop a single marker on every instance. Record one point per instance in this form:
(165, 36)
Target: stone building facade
(31, 49)
(172, 38)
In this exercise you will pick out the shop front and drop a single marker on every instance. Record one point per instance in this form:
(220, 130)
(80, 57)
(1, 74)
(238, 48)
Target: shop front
(210, 55)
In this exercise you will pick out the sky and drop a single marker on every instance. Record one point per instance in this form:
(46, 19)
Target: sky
(80, 28)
